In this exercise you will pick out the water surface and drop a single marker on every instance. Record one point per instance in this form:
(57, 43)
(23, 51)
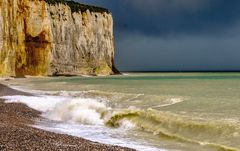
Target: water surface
(172, 111)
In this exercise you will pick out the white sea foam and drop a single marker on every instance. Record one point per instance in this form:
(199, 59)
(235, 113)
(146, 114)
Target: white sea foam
(39, 103)
(135, 97)
(98, 134)
(80, 117)
(170, 101)
(126, 124)
(125, 74)
(66, 109)
(56, 93)
(84, 111)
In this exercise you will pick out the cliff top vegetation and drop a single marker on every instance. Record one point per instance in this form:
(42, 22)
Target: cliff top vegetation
(76, 7)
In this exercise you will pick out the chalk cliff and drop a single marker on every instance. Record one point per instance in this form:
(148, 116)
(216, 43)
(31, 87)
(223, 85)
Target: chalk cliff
(45, 37)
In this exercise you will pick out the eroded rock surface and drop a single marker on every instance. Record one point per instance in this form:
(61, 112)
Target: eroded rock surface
(38, 38)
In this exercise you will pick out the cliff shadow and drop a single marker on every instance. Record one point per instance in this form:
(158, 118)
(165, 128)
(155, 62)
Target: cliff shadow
(37, 51)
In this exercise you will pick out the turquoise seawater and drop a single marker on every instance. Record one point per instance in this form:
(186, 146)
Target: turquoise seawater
(174, 111)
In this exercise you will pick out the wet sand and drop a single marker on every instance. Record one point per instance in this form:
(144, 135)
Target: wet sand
(16, 133)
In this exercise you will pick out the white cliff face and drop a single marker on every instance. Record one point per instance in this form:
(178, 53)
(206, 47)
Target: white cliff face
(83, 42)
(37, 38)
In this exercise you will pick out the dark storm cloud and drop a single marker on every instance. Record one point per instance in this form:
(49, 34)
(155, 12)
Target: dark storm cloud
(175, 34)
(152, 7)
(170, 17)
(185, 53)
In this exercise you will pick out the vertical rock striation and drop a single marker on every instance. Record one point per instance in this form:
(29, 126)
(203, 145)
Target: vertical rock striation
(40, 37)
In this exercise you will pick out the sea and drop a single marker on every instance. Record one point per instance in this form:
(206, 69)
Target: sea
(145, 111)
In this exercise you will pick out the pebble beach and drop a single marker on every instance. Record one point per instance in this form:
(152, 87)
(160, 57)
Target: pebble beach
(18, 134)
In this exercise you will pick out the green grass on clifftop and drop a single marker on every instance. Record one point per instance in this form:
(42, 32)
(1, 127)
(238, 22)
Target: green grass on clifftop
(76, 7)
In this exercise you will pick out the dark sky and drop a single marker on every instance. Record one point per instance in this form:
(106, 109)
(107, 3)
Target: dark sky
(175, 35)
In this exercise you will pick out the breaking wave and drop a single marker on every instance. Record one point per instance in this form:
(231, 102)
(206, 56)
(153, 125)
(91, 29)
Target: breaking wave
(84, 111)
(92, 111)
(181, 129)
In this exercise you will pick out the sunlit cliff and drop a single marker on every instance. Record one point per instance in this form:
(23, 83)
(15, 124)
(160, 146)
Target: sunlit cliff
(40, 37)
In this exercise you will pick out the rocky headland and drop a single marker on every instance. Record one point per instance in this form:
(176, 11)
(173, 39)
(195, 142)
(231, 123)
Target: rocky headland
(55, 37)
